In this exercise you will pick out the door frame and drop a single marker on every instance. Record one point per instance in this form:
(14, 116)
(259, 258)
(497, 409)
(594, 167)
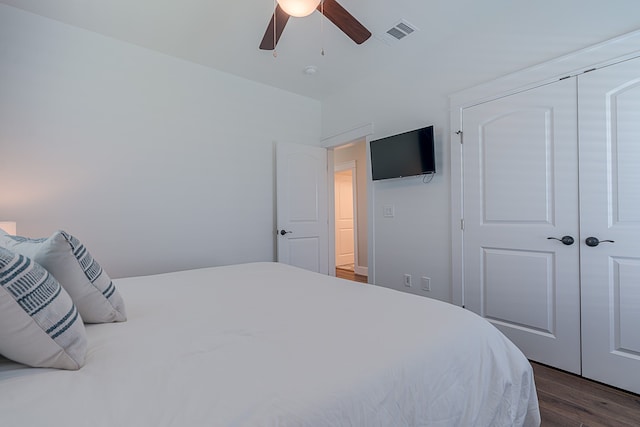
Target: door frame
(600, 55)
(330, 143)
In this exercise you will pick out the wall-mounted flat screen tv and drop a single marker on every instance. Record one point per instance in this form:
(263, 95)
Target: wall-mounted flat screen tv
(406, 154)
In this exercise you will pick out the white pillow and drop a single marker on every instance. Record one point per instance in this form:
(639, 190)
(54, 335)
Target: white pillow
(39, 324)
(80, 275)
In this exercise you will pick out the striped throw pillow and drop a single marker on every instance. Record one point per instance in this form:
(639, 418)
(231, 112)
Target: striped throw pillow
(39, 324)
(69, 261)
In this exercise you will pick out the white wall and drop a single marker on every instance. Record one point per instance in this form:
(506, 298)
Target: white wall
(156, 164)
(417, 240)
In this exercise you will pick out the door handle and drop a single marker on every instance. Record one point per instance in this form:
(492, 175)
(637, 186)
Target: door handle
(283, 232)
(567, 240)
(593, 241)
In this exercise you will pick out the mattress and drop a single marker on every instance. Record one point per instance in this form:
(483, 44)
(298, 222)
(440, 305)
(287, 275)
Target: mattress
(267, 344)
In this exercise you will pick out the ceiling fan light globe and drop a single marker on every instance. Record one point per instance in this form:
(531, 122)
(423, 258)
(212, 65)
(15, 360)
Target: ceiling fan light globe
(299, 8)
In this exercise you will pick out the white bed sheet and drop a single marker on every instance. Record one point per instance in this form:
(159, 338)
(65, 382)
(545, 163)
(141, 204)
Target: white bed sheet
(266, 344)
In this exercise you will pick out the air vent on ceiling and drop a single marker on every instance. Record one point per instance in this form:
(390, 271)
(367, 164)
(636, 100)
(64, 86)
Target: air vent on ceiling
(400, 30)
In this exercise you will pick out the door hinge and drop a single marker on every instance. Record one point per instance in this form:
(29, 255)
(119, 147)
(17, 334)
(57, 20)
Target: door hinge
(462, 224)
(460, 133)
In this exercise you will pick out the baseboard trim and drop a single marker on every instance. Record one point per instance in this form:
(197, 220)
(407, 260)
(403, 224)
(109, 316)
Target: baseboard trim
(362, 271)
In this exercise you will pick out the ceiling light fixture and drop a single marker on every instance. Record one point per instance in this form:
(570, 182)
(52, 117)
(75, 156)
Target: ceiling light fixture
(299, 8)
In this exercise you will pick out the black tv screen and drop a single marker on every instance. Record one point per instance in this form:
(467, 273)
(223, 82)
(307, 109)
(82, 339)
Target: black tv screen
(406, 154)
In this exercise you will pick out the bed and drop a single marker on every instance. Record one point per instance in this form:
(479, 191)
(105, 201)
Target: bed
(267, 344)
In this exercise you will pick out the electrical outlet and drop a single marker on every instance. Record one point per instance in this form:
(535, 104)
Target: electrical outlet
(407, 280)
(425, 283)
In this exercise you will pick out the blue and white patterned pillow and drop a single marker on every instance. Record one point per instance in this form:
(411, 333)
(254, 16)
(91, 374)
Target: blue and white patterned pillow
(69, 261)
(39, 324)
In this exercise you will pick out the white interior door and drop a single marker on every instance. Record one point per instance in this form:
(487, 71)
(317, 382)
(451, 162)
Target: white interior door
(609, 115)
(345, 242)
(520, 188)
(301, 193)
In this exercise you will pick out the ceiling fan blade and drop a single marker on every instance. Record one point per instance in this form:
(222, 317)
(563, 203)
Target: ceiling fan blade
(279, 19)
(345, 21)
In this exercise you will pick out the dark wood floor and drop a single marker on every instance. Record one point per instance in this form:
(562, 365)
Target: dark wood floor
(350, 275)
(568, 400)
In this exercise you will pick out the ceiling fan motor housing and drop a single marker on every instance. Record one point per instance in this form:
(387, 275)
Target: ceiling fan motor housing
(331, 9)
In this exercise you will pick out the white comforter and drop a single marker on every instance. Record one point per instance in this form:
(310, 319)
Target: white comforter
(265, 344)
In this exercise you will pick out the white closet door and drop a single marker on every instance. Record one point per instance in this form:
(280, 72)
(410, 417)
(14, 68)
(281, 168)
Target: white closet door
(521, 187)
(609, 116)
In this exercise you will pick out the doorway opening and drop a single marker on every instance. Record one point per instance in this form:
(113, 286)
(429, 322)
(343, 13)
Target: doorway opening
(350, 211)
(343, 181)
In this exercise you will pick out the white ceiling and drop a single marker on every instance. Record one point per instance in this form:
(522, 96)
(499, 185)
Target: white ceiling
(466, 41)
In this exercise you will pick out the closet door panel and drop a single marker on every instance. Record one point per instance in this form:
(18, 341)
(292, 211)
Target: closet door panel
(521, 187)
(609, 135)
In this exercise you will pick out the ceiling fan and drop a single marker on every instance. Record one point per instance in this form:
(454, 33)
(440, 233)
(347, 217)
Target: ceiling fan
(331, 9)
